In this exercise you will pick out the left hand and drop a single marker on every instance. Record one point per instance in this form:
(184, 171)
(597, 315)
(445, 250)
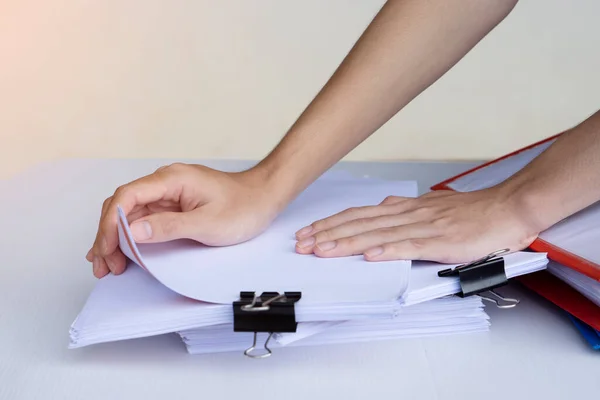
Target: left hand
(443, 226)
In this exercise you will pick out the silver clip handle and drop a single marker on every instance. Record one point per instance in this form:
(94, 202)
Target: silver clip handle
(265, 306)
(500, 301)
(249, 350)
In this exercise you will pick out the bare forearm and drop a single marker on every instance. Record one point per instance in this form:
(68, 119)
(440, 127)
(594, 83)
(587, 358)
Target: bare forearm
(407, 47)
(563, 179)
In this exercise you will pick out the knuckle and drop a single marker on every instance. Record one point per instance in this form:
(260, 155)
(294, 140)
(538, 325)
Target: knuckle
(122, 191)
(106, 203)
(390, 199)
(176, 167)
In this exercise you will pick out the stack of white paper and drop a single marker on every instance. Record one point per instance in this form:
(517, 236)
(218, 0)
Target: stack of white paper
(134, 305)
(445, 316)
(147, 308)
(182, 286)
(585, 285)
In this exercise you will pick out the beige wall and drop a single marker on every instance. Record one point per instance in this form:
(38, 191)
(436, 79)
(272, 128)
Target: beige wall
(224, 79)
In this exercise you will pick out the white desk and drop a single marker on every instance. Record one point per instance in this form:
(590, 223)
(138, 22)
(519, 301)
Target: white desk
(48, 218)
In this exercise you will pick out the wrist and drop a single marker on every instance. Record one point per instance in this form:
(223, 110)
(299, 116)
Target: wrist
(273, 182)
(530, 205)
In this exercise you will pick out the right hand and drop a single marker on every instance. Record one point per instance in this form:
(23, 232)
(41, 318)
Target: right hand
(183, 201)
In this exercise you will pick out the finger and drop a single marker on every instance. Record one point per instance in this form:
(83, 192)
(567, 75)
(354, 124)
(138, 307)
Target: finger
(353, 228)
(97, 245)
(349, 215)
(143, 191)
(137, 214)
(438, 249)
(358, 244)
(159, 206)
(90, 255)
(100, 267)
(116, 262)
(166, 226)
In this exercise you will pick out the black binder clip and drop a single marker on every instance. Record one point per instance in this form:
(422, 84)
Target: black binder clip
(483, 275)
(270, 312)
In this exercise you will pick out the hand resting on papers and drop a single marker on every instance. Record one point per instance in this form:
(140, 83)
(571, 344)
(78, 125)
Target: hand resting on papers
(442, 226)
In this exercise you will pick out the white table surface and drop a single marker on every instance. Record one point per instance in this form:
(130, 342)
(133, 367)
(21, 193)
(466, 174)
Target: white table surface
(48, 216)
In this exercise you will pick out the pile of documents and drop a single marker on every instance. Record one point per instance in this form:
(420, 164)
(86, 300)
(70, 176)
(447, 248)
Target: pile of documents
(186, 288)
(449, 315)
(587, 286)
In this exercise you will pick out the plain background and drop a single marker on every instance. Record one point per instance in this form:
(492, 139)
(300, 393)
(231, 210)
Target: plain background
(225, 79)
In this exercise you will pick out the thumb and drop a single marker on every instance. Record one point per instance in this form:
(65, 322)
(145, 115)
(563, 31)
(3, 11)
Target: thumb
(163, 227)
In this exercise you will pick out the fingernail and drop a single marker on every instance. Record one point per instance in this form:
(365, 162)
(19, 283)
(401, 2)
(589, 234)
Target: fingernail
(325, 246)
(96, 265)
(374, 252)
(141, 230)
(307, 242)
(304, 231)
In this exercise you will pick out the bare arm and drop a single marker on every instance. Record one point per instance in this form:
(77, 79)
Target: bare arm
(408, 46)
(563, 179)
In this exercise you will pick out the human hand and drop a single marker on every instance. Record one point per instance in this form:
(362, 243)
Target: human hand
(183, 201)
(443, 226)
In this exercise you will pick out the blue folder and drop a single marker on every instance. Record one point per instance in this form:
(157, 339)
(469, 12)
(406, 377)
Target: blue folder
(591, 335)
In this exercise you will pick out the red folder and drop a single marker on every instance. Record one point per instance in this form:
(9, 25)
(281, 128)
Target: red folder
(564, 296)
(561, 256)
